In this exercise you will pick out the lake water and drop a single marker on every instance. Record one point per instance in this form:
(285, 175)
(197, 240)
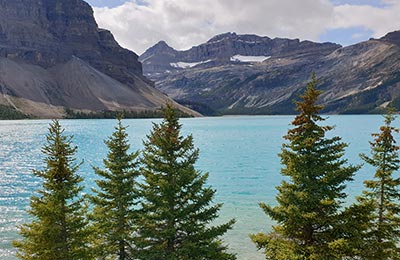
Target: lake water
(240, 153)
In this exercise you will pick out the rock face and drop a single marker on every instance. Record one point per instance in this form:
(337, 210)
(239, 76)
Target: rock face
(392, 37)
(248, 74)
(220, 49)
(53, 53)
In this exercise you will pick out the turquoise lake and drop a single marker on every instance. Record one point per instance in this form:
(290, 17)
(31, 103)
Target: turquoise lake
(240, 154)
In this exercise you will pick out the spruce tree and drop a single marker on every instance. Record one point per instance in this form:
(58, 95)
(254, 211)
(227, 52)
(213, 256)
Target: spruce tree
(383, 235)
(59, 226)
(114, 202)
(309, 199)
(177, 209)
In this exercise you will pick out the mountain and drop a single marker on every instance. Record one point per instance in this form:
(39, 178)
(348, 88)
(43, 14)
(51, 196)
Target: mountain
(227, 48)
(53, 56)
(249, 74)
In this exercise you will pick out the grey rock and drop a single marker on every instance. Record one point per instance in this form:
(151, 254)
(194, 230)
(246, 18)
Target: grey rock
(362, 78)
(219, 50)
(53, 53)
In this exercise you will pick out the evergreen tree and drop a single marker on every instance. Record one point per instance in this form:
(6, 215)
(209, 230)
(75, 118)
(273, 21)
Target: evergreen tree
(59, 227)
(114, 211)
(177, 210)
(309, 199)
(383, 193)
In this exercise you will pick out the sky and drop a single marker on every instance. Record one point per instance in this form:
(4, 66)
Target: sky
(139, 24)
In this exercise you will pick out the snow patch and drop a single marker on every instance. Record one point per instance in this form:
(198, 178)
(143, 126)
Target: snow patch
(185, 65)
(250, 42)
(241, 58)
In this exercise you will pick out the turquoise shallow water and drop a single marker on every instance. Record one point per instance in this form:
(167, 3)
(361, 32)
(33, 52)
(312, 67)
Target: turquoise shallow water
(240, 153)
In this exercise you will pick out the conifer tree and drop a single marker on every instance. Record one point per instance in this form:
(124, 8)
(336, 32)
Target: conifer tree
(309, 199)
(59, 226)
(114, 202)
(383, 235)
(177, 210)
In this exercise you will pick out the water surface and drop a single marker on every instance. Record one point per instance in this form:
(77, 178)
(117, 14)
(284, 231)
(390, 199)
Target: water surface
(240, 154)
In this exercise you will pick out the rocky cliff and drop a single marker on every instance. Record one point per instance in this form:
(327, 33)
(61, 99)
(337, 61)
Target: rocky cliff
(223, 48)
(53, 55)
(247, 74)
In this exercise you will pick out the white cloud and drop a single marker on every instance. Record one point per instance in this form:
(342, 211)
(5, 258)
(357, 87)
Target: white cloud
(379, 20)
(184, 23)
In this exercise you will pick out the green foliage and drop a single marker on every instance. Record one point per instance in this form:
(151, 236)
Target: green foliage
(383, 234)
(351, 230)
(308, 213)
(202, 108)
(59, 227)
(108, 114)
(176, 211)
(10, 113)
(276, 246)
(114, 203)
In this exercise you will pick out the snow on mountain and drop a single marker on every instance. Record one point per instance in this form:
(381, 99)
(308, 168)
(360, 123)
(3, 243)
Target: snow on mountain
(241, 58)
(185, 65)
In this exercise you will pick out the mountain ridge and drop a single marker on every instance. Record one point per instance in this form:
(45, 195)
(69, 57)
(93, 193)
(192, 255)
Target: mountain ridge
(347, 75)
(220, 48)
(50, 39)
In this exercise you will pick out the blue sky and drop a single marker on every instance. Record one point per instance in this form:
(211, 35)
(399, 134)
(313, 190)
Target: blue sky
(358, 2)
(114, 3)
(110, 3)
(106, 3)
(138, 24)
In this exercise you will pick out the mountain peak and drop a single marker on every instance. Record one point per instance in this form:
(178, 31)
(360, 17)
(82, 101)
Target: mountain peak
(63, 59)
(238, 37)
(162, 45)
(392, 37)
(219, 37)
(160, 48)
(222, 48)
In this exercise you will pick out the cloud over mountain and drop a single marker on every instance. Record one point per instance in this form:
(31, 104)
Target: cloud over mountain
(138, 24)
(379, 20)
(183, 23)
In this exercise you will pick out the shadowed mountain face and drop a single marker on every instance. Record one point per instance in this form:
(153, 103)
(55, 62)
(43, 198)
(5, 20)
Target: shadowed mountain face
(53, 55)
(248, 74)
